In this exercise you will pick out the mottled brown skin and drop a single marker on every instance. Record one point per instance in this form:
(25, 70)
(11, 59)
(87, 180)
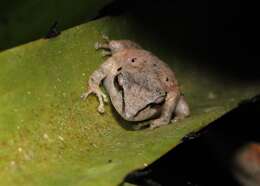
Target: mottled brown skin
(139, 84)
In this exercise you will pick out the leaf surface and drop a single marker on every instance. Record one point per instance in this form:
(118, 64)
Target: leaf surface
(49, 136)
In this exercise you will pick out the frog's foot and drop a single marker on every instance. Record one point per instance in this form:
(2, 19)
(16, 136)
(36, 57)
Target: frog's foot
(99, 45)
(104, 44)
(178, 118)
(182, 110)
(105, 38)
(158, 123)
(101, 98)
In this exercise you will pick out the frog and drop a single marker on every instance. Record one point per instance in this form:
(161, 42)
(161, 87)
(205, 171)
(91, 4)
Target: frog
(140, 86)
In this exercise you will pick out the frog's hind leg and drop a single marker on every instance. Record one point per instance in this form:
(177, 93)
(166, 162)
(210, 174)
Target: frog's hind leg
(168, 109)
(94, 82)
(174, 104)
(182, 110)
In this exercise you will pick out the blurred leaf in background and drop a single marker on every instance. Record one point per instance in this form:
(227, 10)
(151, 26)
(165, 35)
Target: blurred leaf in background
(27, 20)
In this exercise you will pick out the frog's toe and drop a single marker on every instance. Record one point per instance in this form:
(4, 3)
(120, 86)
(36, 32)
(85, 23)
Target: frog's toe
(105, 37)
(85, 95)
(106, 53)
(97, 45)
(158, 123)
(104, 98)
(101, 109)
(178, 118)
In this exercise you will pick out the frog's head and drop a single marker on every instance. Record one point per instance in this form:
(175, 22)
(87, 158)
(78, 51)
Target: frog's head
(119, 45)
(141, 98)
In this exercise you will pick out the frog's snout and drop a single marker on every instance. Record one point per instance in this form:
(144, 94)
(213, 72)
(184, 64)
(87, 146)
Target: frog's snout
(129, 116)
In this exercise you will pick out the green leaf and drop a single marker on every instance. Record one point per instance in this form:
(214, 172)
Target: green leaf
(49, 136)
(23, 21)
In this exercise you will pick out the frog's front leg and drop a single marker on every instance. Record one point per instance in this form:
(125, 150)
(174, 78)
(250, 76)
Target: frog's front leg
(95, 81)
(167, 110)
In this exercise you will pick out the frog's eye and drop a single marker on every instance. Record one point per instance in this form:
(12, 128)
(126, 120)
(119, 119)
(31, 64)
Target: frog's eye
(167, 79)
(120, 68)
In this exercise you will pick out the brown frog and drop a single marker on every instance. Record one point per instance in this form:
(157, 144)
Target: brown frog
(139, 84)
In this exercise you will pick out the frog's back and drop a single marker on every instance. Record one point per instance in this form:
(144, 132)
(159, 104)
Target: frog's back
(139, 60)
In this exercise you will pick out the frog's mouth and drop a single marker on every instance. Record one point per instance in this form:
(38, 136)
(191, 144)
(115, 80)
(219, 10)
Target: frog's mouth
(147, 111)
(137, 103)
